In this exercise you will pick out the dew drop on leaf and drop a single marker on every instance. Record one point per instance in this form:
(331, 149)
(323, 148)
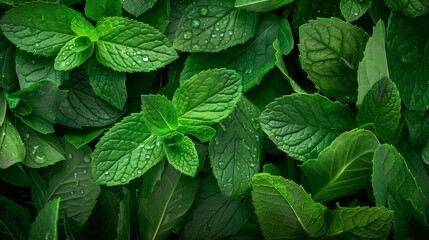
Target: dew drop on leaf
(87, 159)
(187, 35)
(145, 58)
(170, 216)
(106, 173)
(203, 11)
(70, 155)
(195, 23)
(71, 192)
(179, 196)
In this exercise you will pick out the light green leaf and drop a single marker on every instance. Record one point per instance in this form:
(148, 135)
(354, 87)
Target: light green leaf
(212, 215)
(302, 125)
(7, 67)
(235, 152)
(373, 66)
(125, 152)
(38, 27)
(251, 60)
(74, 53)
(107, 84)
(45, 226)
(12, 149)
(14, 220)
(3, 108)
(202, 133)
(410, 8)
(261, 6)
(79, 139)
(208, 97)
(96, 9)
(129, 46)
(83, 28)
(407, 47)
(214, 25)
(380, 111)
(160, 114)
(166, 207)
(285, 210)
(181, 154)
(330, 51)
(346, 162)
(359, 223)
(354, 9)
(137, 7)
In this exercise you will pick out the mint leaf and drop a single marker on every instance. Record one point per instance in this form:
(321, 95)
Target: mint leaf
(136, 7)
(79, 139)
(157, 16)
(7, 68)
(15, 175)
(202, 133)
(15, 220)
(74, 53)
(130, 46)
(181, 154)
(12, 149)
(302, 125)
(418, 127)
(261, 6)
(330, 53)
(160, 114)
(410, 8)
(107, 84)
(407, 59)
(38, 27)
(45, 226)
(281, 66)
(235, 152)
(177, 9)
(208, 97)
(285, 210)
(84, 28)
(347, 161)
(125, 152)
(96, 9)
(214, 25)
(352, 10)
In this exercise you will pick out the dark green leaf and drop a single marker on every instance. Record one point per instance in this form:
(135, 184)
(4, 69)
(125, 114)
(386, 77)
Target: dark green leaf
(12, 149)
(79, 139)
(150, 179)
(7, 68)
(181, 153)
(46, 224)
(281, 65)
(160, 114)
(177, 9)
(137, 7)
(354, 9)
(96, 9)
(410, 8)
(3, 108)
(157, 16)
(261, 6)
(418, 127)
(14, 220)
(15, 175)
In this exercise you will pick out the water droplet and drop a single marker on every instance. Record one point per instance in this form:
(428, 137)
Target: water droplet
(145, 58)
(37, 45)
(147, 156)
(134, 63)
(217, 140)
(137, 193)
(214, 35)
(75, 174)
(221, 34)
(71, 192)
(139, 172)
(208, 227)
(70, 155)
(35, 147)
(27, 135)
(230, 33)
(87, 159)
(195, 23)
(187, 35)
(169, 216)
(84, 171)
(158, 143)
(255, 123)
(203, 11)
(355, 13)
(179, 196)
(106, 173)
(123, 180)
(81, 191)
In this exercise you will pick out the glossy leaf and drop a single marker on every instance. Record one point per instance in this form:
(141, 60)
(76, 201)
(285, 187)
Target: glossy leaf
(45, 226)
(15, 175)
(354, 9)
(12, 149)
(74, 53)
(202, 133)
(181, 154)
(159, 113)
(137, 7)
(96, 9)
(261, 6)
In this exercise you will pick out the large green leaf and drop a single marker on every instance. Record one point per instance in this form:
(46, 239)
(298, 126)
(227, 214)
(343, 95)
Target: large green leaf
(45, 226)
(165, 208)
(418, 127)
(410, 8)
(15, 220)
(285, 210)
(12, 149)
(235, 152)
(302, 125)
(129, 46)
(261, 6)
(177, 9)
(96, 9)
(159, 113)
(407, 51)
(208, 97)
(214, 25)
(7, 68)
(125, 152)
(182, 154)
(158, 15)
(343, 167)
(137, 7)
(38, 27)
(330, 51)
(354, 9)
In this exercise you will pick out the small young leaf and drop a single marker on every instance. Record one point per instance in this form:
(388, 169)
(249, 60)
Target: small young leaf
(261, 6)
(410, 8)
(129, 46)
(14, 220)
(346, 162)
(45, 226)
(12, 149)
(96, 9)
(232, 26)
(203, 133)
(285, 210)
(208, 97)
(181, 154)
(84, 28)
(354, 9)
(160, 114)
(137, 7)
(74, 53)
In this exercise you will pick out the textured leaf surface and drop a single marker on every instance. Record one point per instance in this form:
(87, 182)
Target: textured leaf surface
(203, 133)
(302, 125)
(137, 7)
(285, 210)
(354, 9)
(38, 27)
(418, 126)
(208, 97)
(74, 53)
(125, 152)
(159, 113)
(14, 220)
(96, 9)
(45, 226)
(158, 16)
(12, 149)
(181, 154)
(330, 53)
(410, 8)
(261, 6)
(407, 52)
(235, 152)
(214, 25)
(167, 205)
(129, 46)
(7, 68)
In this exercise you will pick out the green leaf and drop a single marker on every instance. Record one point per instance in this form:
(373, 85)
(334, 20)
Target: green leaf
(166, 207)
(14, 220)
(360, 223)
(12, 149)
(285, 210)
(150, 179)
(373, 66)
(38, 27)
(410, 8)
(181, 154)
(330, 51)
(235, 152)
(107, 84)
(15, 175)
(3, 108)
(83, 28)
(214, 25)
(380, 111)
(281, 66)
(125, 152)
(352, 10)
(302, 125)
(129, 46)
(79, 139)
(212, 214)
(202, 133)
(407, 41)
(395, 188)
(207, 97)
(74, 53)
(160, 114)
(418, 127)
(157, 16)
(251, 60)
(7, 68)
(96, 9)
(137, 7)
(346, 162)
(177, 9)
(261, 6)
(45, 226)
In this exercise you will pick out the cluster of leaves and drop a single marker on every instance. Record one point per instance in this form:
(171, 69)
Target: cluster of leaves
(211, 119)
